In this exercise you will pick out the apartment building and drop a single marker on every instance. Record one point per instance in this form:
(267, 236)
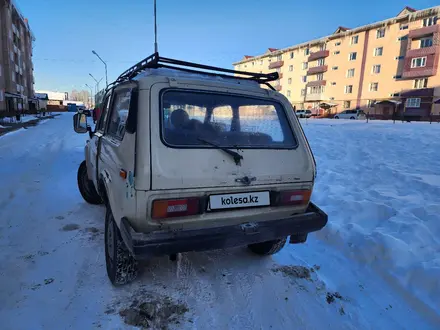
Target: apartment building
(388, 68)
(16, 68)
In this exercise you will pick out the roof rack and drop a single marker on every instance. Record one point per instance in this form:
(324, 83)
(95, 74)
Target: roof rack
(155, 61)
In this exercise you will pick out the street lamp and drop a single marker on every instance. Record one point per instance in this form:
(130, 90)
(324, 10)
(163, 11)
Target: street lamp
(105, 64)
(91, 95)
(97, 83)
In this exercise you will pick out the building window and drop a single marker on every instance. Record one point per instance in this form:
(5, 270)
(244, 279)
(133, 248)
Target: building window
(333, 83)
(303, 92)
(413, 102)
(317, 89)
(322, 47)
(336, 52)
(261, 62)
(305, 65)
(288, 93)
(352, 56)
(354, 40)
(335, 68)
(348, 89)
(350, 73)
(403, 26)
(370, 103)
(421, 83)
(403, 38)
(380, 33)
(279, 57)
(304, 79)
(418, 62)
(430, 21)
(289, 81)
(306, 51)
(337, 43)
(397, 76)
(376, 68)
(425, 42)
(347, 104)
(290, 67)
(400, 57)
(253, 63)
(321, 61)
(378, 51)
(320, 76)
(374, 87)
(291, 54)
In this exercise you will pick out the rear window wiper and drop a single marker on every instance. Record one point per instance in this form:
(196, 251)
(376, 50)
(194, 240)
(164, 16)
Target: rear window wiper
(237, 157)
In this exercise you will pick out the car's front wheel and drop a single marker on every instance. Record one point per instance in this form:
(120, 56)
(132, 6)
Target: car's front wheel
(268, 247)
(352, 118)
(121, 266)
(336, 117)
(86, 186)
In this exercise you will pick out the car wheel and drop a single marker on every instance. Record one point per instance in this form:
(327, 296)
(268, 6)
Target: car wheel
(86, 186)
(336, 117)
(352, 118)
(122, 267)
(267, 248)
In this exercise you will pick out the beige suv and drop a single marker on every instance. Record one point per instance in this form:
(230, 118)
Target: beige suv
(188, 157)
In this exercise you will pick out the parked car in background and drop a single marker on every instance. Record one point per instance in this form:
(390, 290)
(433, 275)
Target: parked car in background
(303, 113)
(351, 114)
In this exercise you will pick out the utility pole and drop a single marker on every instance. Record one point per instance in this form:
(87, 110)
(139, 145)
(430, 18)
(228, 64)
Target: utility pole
(91, 96)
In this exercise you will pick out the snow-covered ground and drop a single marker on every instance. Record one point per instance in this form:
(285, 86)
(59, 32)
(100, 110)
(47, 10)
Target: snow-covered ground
(373, 267)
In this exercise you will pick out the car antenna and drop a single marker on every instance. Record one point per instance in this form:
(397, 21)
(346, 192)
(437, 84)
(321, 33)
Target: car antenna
(155, 29)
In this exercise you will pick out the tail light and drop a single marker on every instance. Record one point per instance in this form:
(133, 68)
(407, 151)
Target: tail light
(168, 208)
(297, 197)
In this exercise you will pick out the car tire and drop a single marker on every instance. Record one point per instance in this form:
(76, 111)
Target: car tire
(336, 117)
(352, 118)
(86, 186)
(268, 247)
(122, 267)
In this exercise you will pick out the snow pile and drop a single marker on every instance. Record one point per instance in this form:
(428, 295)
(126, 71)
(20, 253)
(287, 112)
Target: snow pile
(380, 185)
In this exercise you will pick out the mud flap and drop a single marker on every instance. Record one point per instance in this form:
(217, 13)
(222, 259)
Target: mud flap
(298, 238)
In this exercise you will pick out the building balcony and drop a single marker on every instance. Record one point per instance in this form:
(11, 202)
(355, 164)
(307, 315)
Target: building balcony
(315, 97)
(316, 83)
(277, 64)
(426, 30)
(317, 55)
(278, 87)
(419, 52)
(317, 69)
(430, 68)
(423, 92)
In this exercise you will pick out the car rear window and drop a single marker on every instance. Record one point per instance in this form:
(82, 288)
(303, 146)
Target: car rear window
(224, 119)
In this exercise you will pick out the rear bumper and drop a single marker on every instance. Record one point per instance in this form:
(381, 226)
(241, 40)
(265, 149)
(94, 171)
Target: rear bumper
(170, 242)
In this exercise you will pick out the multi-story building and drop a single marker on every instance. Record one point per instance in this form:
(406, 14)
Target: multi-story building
(16, 68)
(385, 68)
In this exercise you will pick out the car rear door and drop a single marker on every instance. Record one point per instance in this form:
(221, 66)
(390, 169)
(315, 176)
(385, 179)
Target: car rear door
(175, 167)
(117, 153)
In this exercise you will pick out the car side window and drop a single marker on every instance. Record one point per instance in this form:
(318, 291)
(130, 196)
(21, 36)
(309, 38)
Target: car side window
(119, 113)
(103, 118)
